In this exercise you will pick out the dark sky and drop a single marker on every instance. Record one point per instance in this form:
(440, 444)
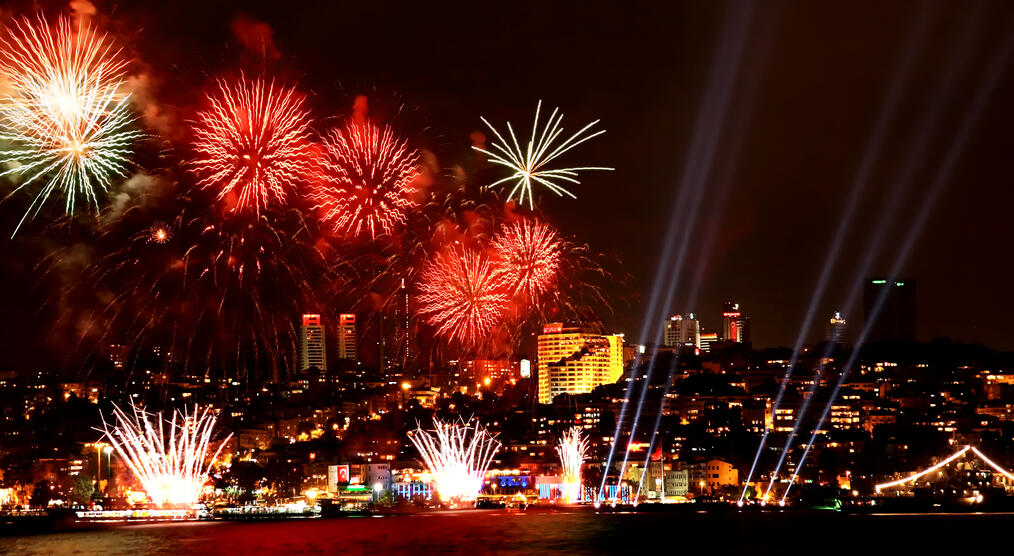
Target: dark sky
(805, 97)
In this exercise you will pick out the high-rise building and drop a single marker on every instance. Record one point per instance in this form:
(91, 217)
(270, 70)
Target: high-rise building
(707, 339)
(574, 361)
(895, 318)
(347, 342)
(735, 325)
(311, 337)
(682, 331)
(837, 329)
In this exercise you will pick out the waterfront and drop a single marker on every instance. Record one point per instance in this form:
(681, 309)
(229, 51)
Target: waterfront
(572, 532)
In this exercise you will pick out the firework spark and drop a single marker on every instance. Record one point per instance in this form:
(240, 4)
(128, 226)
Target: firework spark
(458, 455)
(529, 165)
(252, 143)
(572, 449)
(65, 121)
(463, 294)
(529, 253)
(159, 233)
(369, 180)
(170, 457)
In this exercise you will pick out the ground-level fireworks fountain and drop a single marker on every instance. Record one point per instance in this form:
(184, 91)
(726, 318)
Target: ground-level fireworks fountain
(572, 449)
(458, 455)
(170, 457)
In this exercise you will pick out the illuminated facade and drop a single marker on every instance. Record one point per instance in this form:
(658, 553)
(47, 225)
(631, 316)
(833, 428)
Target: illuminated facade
(837, 329)
(707, 339)
(311, 348)
(735, 325)
(347, 344)
(572, 361)
(680, 330)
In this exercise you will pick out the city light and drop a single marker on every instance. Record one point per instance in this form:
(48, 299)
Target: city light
(171, 458)
(457, 454)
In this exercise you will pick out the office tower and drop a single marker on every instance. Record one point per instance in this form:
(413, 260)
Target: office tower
(735, 325)
(311, 337)
(574, 361)
(680, 330)
(837, 329)
(895, 319)
(347, 341)
(708, 339)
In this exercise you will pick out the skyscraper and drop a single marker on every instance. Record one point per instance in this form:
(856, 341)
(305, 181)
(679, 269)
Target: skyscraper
(311, 337)
(837, 329)
(735, 325)
(347, 344)
(573, 361)
(680, 330)
(895, 319)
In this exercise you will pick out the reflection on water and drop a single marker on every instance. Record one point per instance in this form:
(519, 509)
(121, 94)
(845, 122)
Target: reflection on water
(574, 532)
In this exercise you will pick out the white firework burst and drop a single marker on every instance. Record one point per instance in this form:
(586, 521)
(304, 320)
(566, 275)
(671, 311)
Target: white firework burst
(458, 455)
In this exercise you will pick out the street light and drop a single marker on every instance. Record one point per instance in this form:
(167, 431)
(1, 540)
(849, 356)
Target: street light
(109, 460)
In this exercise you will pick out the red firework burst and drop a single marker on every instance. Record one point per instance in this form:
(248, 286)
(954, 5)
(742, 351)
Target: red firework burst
(463, 294)
(369, 180)
(529, 253)
(252, 142)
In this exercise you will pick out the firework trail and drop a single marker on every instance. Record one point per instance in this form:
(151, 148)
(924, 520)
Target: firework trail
(252, 143)
(529, 255)
(65, 122)
(532, 164)
(463, 294)
(368, 180)
(458, 455)
(572, 449)
(170, 457)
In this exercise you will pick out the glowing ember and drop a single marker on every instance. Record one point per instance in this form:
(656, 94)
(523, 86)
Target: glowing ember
(529, 165)
(170, 457)
(463, 294)
(572, 449)
(159, 233)
(529, 254)
(64, 119)
(252, 143)
(368, 180)
(458, 455)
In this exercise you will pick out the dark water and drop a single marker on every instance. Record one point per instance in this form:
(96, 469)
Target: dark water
(571, 532)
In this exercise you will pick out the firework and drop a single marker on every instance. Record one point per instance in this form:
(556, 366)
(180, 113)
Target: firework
(170, 457)
(572, 449)
(529, 253)
(532, 165)
(463, 294)
(369, 180)
(65, 122)
(457, 454)
(159, 233)
(252, 143)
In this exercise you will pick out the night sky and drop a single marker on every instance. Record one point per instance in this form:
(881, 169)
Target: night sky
(804, 102)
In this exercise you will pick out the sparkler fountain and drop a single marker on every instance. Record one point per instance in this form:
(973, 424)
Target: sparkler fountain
(172, 465)
(572, 449)
(457, 454)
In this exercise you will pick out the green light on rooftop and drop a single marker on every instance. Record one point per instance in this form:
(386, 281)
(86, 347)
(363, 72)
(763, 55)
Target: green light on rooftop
(880, 281)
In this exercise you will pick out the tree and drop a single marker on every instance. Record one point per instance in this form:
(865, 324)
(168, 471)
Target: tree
(81, 490)
(40, 495)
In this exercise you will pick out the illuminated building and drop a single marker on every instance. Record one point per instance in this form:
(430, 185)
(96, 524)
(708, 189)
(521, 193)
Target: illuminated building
(837, 329)
(896, 317)
(347, 344)
(735, 325)
(680, 330)
(573, 361)
(712, 474)
(488, 374)
(311, 340)
(708, 339)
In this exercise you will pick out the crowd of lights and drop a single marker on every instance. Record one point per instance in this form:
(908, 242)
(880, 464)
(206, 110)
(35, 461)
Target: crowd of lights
(171, 458)
(532, 164)
(368, 180)
(572, 449)
(529, 253)
(252, 143)
(64, 120)
(457, 454)
(463, 294)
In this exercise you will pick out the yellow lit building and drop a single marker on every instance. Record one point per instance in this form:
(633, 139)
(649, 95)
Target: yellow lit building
(572, 361)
